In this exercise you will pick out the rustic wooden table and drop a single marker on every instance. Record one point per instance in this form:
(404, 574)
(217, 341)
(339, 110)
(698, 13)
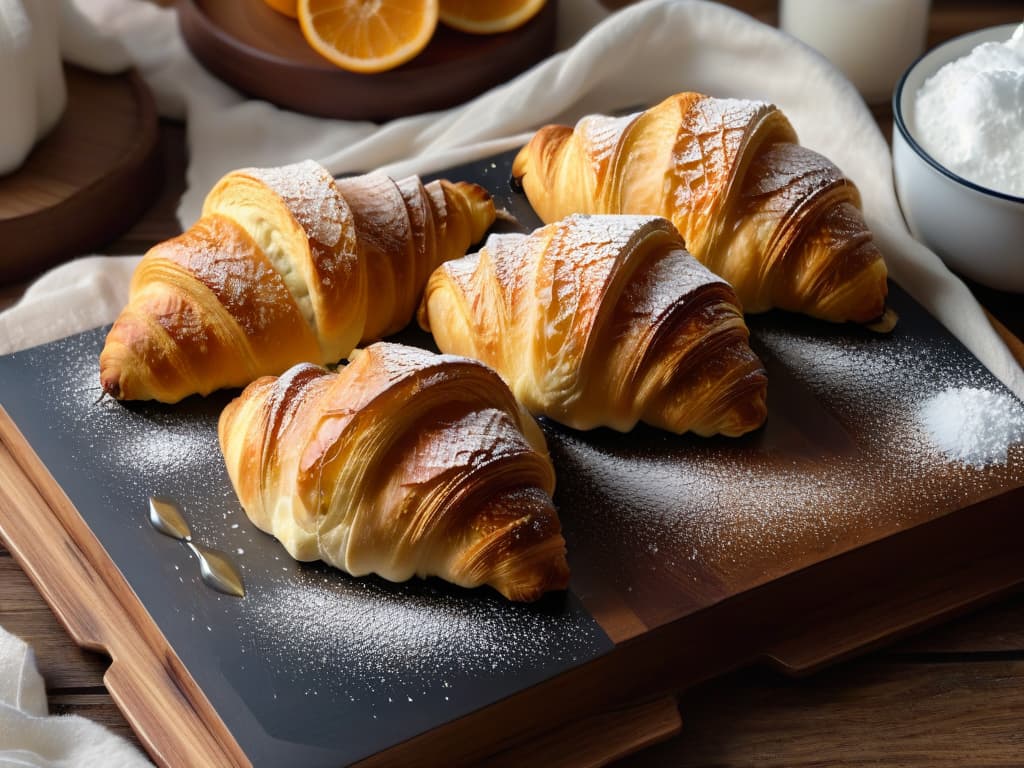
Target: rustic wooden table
(953, 696)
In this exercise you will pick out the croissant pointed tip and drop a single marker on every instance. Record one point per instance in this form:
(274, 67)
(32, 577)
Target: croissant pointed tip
(110, 378)
(112, 388)
(472, 190)
(531, 571)
(519, 164)
(481, 208)
(531, 583)
(885, 322)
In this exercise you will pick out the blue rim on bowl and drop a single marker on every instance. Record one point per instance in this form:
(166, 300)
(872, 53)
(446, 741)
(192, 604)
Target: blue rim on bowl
(901, 125)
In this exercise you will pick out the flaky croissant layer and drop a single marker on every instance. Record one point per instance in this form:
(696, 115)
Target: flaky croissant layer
(778, 221)
(285, 265)
(603, 321)
(404, 463)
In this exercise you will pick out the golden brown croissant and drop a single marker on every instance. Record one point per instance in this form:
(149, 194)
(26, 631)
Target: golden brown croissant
(403, 463)
(603, 320)
(285, 265)
(778, 221)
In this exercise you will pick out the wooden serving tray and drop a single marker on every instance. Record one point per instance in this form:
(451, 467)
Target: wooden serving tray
(87, 181)
(263, 53)
(834, 528)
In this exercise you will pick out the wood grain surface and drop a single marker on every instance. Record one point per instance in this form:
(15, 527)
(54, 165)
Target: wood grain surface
(101, 613)
(262, 52)
(950, 697)
(87, 181)
(753, 717)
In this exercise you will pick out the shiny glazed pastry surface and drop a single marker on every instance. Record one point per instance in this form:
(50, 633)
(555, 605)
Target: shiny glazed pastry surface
(603, 321)
(285, 265)
(404, 463)
(778, 221)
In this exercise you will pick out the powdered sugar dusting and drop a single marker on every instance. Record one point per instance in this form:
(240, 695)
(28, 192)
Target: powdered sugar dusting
(369, 637)
(973, 425)
(599, 135)
(140, 445)
(473, 441)
(311, 195)
(781, 167)
(848, 455)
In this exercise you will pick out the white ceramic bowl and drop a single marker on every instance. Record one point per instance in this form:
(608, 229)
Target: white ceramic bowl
(978, 232)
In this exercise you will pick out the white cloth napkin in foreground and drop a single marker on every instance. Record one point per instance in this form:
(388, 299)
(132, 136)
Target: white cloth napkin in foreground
(29, 738)
(636, 56)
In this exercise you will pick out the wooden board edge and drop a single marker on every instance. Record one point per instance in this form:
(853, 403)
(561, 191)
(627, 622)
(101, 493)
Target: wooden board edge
(848, 605)
(47, 536)
(971, 569)
(599, 739)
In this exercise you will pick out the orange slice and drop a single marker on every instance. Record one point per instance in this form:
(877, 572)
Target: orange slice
(368, 35)
(486, 18)
(287, 7)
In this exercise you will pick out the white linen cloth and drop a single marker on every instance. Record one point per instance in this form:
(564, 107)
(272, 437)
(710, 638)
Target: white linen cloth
(30, 738)
(636, 56)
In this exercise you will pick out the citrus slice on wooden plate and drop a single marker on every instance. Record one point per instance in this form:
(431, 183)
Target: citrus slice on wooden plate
(487, 18)
(287, 7)
(368, 35)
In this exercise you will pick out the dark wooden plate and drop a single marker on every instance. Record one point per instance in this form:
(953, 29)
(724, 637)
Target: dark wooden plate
(89, 180)
(263, 53)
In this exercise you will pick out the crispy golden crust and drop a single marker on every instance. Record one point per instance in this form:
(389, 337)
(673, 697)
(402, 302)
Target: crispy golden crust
(603, 321)
(285, 266)
(403, 464)
(779, 222)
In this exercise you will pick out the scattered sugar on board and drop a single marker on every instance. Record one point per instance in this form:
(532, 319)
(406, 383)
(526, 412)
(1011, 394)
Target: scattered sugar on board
(359, 642)
(141, 442)
(360, 634)
(973, 425)
(720, 503)
(145, 446)
(747, 510)
(311, 197)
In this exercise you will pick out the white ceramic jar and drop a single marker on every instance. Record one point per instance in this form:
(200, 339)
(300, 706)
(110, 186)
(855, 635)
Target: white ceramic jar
(871, 41)
(32, 89)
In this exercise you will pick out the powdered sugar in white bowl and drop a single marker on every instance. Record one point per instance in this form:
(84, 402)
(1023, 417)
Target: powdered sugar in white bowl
(956, 175)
